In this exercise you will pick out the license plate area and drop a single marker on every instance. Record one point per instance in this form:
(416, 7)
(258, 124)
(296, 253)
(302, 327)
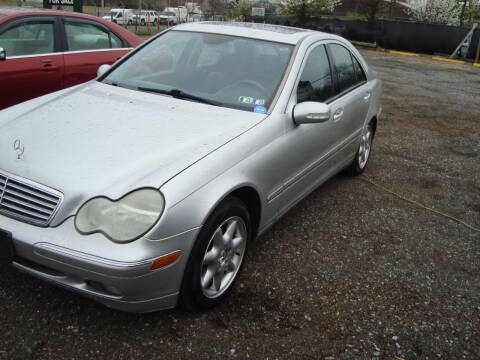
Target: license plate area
(6, 247)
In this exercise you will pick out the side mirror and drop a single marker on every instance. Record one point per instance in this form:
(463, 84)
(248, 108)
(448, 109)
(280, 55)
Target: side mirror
(3, 54)
(103, 69)
(310, 112)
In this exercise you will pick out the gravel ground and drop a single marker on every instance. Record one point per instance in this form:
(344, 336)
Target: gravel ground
(351, 272)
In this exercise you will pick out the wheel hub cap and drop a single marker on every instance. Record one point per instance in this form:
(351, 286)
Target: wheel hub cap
(223, 257)
(365, 147)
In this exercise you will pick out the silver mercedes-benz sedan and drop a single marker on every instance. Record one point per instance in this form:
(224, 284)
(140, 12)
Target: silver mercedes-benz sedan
(145, 187)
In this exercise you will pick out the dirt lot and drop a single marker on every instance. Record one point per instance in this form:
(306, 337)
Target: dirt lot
(351, 272)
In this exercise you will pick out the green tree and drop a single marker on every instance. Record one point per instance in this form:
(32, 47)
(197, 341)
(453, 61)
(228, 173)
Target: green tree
(240, 9)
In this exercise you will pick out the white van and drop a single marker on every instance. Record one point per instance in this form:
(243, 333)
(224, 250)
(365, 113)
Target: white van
(119, 16)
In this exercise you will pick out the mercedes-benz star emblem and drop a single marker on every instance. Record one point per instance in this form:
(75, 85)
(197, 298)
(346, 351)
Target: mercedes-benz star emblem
(19, 148)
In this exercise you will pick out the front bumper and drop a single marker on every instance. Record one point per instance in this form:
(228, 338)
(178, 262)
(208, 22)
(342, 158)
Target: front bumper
(117, 275)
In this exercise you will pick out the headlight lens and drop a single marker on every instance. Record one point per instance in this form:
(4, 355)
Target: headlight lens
(122, 220)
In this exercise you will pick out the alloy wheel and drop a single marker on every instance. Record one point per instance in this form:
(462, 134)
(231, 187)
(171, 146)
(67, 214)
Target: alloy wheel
(365, 147)
(223, 257)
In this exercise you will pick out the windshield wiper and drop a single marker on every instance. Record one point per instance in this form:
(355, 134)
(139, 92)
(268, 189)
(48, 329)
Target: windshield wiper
(179, 94)
(113, 83)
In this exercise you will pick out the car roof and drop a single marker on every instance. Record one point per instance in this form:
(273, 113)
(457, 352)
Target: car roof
(35, 11)
(31, 10)
(278, 33)
(17, 12)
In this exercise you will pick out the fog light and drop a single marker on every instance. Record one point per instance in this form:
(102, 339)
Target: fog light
(166, 260)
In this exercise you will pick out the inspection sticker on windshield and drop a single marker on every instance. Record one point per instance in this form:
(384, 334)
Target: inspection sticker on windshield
(260, 109)
(250, 100)
(246, 100)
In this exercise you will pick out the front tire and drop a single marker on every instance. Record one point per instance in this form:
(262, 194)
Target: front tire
(217, 256)
(360, 162)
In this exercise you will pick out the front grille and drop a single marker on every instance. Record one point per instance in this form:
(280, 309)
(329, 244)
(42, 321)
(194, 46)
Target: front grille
(27, 201)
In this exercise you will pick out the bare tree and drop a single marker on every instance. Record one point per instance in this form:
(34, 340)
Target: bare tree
(371, 9)
(302, 9)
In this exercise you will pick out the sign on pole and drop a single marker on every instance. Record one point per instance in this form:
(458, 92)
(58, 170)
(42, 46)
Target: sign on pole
(77, 4)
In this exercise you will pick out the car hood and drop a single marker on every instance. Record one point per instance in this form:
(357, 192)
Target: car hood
(103, 140)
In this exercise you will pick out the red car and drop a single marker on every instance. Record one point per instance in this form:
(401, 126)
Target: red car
(42, 51)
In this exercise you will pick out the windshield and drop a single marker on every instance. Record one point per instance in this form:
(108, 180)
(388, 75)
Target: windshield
(223, 70)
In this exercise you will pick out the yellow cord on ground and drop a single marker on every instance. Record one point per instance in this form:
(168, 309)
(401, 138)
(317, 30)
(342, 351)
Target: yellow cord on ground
(367, 179)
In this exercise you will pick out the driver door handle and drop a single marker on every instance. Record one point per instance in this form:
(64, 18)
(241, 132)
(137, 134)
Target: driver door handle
(337, 115)
(366, 97)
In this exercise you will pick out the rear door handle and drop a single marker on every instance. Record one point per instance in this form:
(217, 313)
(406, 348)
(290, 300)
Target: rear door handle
(338, 114)
(366, 97)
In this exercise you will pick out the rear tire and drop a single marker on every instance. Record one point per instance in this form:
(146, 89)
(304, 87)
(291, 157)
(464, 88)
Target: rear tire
(217, 256)
(360, 162)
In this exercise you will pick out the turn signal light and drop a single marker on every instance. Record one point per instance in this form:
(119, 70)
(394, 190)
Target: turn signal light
(166, 260)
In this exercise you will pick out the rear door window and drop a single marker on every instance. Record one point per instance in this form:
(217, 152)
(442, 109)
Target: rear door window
(116, 41)
(359, 71)
(86, 36)
(343, 65)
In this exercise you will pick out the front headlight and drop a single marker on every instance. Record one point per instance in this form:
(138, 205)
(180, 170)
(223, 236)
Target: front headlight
(122, 220)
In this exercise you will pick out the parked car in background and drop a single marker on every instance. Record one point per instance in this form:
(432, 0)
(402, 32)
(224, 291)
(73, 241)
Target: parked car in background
(48, 50)
(120, 16)
(168, 18)
(180, 12)
(146, 186)
(142, 17)
(152, 16)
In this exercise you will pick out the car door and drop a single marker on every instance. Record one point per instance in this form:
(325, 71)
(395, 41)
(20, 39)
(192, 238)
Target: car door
(310, 149)
(88, 45)
(34, 63)
(350, 106)
(318, 151)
